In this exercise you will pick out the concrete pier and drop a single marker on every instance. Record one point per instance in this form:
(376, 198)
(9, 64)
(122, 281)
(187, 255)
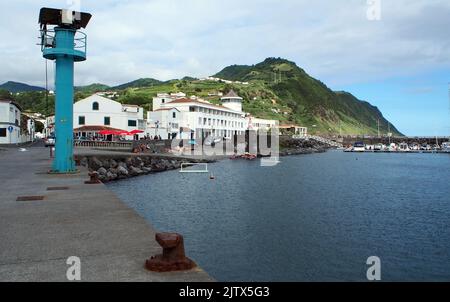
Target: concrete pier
(72, 219)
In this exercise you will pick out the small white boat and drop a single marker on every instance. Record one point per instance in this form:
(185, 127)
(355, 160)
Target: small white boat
(403, 147)
(445, 147)
(392, 147)
(379, 147)
(415, 147)
(358, 147)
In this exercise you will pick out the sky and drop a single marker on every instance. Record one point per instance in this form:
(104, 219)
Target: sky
(394, 54)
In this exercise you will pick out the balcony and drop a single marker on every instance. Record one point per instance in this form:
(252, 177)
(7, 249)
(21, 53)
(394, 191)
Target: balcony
(51, 49)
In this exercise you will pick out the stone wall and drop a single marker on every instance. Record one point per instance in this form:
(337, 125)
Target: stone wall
(111, 168)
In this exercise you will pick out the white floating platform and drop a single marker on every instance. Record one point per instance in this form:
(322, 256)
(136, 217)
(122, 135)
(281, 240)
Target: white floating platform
(194, 168)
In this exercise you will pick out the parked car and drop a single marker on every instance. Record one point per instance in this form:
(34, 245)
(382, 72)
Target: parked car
(49, 141)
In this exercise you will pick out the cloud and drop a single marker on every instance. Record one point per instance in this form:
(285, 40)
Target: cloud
(165, 39)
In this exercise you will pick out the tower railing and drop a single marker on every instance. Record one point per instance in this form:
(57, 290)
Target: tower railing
(48, 40)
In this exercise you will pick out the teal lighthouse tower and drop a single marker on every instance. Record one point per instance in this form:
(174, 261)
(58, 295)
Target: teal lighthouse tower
(64, 44)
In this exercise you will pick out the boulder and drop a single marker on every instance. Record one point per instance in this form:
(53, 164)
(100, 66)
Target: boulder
(134, 171)
(137, 161)
(106, 163)
(95, 163)
(102, 171)
(113, 163)
(146, 170)
(121, 171)
(111, 176)
(129, 162)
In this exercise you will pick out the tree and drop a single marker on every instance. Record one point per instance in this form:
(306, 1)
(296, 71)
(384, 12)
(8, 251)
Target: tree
(5, 94)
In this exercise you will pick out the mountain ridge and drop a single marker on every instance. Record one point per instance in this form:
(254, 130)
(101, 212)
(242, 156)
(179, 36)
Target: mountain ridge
(277, 89)
(15, 87)
(310, 99)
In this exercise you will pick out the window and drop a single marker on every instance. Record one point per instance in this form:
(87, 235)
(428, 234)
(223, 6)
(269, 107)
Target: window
(131, 123)
(107, 121)
(81, 120)
(191, 109)
(174, 114)
(163, 101)
(2, 132)
(95, 106)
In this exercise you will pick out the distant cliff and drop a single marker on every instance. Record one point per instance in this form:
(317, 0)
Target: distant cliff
(309, 101)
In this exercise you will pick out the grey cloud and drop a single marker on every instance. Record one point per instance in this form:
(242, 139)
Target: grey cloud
(166, 39)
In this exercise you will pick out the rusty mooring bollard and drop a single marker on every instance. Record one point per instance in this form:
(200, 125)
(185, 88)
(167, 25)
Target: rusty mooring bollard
(173, 257)
(94, 178)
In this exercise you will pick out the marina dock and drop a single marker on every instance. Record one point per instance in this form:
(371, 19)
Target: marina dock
(398, 151)
(45, 219)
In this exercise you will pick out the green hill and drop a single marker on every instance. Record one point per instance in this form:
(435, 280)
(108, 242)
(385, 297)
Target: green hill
(137, 83)
(92, 88)
(277, 89)
(310, 101)
(15, 87)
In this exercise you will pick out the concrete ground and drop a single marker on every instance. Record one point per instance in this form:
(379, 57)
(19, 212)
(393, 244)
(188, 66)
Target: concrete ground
(87, 221)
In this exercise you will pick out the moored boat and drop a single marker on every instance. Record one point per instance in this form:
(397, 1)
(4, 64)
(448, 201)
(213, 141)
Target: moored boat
(403, 147)
(445, 147)
(358, 147)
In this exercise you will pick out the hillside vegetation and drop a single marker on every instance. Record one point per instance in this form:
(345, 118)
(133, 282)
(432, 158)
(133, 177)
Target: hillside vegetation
(276, 89)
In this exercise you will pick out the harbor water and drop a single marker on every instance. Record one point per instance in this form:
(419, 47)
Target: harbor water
(311, 218)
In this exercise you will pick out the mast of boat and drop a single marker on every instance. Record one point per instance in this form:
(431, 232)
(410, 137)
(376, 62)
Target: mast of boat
(389, 133)
(378, 127)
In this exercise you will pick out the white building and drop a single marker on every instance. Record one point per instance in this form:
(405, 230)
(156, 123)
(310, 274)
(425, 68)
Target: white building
(96, 113)
(10, 113)
(33, 118)
(49, 126)
(260, 124)
(195, 118)
(233, 101)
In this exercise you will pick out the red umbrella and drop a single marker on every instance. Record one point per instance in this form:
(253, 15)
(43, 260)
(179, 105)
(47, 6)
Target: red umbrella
(119, 132)
(136, 131)
(105, 132)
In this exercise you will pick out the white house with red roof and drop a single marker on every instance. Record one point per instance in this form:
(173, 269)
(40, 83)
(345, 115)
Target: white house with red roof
(193, 117)
(96, 113)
